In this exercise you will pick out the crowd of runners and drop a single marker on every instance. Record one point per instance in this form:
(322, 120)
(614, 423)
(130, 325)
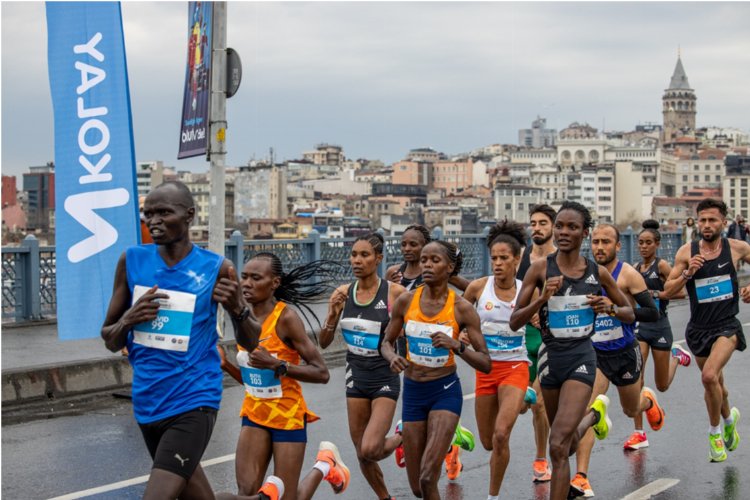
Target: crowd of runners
(548, 330)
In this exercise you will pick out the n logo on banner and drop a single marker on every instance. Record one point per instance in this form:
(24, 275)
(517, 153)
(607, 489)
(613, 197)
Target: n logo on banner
(95, 183)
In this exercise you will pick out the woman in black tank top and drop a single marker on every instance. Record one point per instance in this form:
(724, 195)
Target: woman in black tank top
(372, 389)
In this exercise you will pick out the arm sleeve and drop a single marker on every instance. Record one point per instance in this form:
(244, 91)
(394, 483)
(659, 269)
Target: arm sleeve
(648, 311)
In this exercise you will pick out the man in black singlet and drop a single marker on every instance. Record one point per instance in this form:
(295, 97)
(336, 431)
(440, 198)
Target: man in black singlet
(706, 269)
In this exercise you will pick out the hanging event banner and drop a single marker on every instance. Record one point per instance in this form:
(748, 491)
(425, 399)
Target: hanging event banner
(194, 124)
(96, 208)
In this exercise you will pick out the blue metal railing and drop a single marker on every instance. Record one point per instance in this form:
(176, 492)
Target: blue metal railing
(29, 279)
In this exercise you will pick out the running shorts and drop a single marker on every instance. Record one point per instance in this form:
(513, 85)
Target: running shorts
(371, 379)
(514, 373)
(177, 443)
(623, 366)
(700, 340)
(280, 435)
(533, 342)
(420, 398)
(658, 334)
(577, 361)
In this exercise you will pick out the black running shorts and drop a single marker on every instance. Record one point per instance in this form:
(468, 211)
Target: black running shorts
(576, 361)
(372, 380)
(177, 443)
(658, 335)
(623, 366)
(700, 339)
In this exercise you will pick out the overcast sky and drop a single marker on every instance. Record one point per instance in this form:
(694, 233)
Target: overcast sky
(382, 78)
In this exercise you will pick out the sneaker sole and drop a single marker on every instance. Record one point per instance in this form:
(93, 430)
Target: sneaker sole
(604, 399)
(717, 460)
(735, 442)
(327, 445)
(634, 447)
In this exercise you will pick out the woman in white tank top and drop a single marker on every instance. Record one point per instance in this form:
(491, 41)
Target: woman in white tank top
(499, 394)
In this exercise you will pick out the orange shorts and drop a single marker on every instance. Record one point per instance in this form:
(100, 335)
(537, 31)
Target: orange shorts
(515, 373)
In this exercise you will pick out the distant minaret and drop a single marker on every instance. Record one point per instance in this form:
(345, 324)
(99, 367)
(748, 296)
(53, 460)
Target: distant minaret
(678, 105)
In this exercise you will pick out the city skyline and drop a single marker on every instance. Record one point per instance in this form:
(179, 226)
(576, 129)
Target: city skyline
(382, 78)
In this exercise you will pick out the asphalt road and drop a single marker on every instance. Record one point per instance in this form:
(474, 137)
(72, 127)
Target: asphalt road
(103, 449)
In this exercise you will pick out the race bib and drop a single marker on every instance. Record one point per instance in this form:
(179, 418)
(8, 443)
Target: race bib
(714, 289)
(170, 330)
(570, 316)
(361, 336)
(419, 338)
(501, 339)
(259, 383)
(607, 328)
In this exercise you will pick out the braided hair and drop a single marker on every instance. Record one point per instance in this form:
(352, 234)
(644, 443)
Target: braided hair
(588, 222)
(651, 226)
(509, 232)
(422, 230)
(303, 284)
(453, 253)
(375, 239)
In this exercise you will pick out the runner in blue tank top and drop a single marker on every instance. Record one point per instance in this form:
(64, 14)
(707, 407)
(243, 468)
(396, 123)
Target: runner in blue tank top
(706, 269)
(569, 296)
(163, 308)
(618, 356)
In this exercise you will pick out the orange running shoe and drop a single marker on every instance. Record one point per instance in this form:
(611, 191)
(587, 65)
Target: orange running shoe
(636, 441)
(542, 472)
(580, 486)
(399, 451)
(453, 466)
(339, 475)
(272, 489)
(655, 414)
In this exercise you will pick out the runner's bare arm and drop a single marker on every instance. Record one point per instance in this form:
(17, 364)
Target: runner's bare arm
(478, 357)
(526, 305)
(664, 271)
(741, 252)
(614, 294)
(314, 369)
(335, 306)
(393, 331)
(474, 290)
(676, 280)
(120, 317)
(459, 282)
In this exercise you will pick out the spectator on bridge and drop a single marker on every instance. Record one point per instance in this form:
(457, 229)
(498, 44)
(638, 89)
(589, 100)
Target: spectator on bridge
(431, 318)
(738, 231)
(690, 231)
(163, 309)
(363, 308)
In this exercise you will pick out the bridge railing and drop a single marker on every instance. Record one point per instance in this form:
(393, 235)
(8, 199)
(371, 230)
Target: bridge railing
(30, 288)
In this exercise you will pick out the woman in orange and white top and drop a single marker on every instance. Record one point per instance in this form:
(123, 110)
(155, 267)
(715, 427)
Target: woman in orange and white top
(274, 413)
(431, 317)
(500, 393)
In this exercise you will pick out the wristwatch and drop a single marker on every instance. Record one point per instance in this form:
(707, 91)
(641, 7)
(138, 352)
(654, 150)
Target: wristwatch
(281, 370)
(461, 348)
(243, 315)
(613, 310)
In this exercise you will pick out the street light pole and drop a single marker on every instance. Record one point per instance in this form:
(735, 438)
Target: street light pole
(217, 130)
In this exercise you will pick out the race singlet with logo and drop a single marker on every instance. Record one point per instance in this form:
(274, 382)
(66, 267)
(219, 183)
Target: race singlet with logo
(170, 330)
(503, 343)
(419, 339)
(362, 336)
(714, 291)
(259, 383)
(501, 339)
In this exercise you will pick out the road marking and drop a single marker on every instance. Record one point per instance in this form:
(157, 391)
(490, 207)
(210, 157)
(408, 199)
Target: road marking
(651, 489)
(132, 482)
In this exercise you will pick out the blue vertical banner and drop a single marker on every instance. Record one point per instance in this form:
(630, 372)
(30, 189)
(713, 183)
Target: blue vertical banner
(96, 208)
(197, 95)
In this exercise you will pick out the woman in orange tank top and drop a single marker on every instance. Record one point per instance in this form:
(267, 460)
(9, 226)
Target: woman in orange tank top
(431, 318)
(274, 413)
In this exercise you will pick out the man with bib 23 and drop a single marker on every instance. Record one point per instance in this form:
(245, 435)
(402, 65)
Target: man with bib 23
(706, 268)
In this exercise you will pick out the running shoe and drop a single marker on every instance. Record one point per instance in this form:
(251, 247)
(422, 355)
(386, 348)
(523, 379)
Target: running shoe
(398, 453)
(682, 355)
(272, 489)
(636, 441)
(602, 427)
(463, 437)
(542, 472)
(580, 486)
(716, 450)
(655, 414)
(731, 436)
(453, 465)
(530, 397)
(339, 475)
